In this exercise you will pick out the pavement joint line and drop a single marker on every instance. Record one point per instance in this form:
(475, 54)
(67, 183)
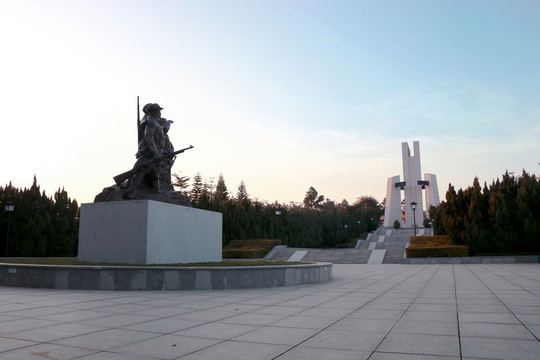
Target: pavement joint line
(502, 302)
(168, 316)
(520, 274)
(457, 312)
(513, 286)
(257, 327)
(172, 332)
(412, 302)
(351, 312)
(262, 326)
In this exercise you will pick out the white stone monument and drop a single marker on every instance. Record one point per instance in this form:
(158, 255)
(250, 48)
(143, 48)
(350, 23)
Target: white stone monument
(412, 185)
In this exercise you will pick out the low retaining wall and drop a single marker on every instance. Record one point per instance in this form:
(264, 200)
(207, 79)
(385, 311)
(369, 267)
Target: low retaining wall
(161, 278)
(474, 260)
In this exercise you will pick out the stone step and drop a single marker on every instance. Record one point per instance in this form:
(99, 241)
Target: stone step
(393, 256)
(393, 241)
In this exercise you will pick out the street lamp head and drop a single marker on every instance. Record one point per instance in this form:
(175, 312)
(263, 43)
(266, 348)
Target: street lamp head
(278, 212)
(413, 205)
(9, 206)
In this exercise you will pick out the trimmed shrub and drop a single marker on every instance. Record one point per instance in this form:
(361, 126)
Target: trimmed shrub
(249, 249)
(441, 251)
(396, 224)
(430, 241)
(435, 246)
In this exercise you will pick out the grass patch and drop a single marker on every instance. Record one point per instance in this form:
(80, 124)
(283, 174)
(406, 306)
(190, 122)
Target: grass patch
(52, 261)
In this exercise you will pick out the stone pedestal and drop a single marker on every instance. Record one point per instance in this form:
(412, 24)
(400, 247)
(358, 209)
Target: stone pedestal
(148, 232)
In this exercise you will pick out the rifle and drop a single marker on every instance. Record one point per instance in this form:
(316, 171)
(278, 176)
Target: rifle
(139, 130)
(118, 179)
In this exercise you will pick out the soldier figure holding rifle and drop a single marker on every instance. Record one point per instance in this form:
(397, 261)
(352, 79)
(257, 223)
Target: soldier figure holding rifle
(150, 177)
(150, 149)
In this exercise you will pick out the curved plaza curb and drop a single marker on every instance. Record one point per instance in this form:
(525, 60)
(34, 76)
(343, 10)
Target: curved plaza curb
(161, 278)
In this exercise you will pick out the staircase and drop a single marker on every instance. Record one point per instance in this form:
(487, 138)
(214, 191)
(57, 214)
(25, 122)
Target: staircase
(336, 256)
(389, 243)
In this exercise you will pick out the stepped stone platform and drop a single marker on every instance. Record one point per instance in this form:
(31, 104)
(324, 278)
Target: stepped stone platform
(385, 245)
(336, 256)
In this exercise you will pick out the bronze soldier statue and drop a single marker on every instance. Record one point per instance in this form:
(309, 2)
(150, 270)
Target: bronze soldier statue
(150, 150)
(150, 177)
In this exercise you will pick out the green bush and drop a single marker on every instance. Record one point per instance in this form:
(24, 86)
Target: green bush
(503, 217)
(249, 249)
(435, 246)
(396, 224)
(440, 251)
(430, 241)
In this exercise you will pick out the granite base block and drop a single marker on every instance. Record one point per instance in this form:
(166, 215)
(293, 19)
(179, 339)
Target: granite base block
(143, 232)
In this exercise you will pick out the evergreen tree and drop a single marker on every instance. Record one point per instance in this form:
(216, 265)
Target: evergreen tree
(501, 218)
(41, 225)
(181, 182)
(221, 193)
(196, 188)
(313, 200)
(367, 208)
(476, 235)
(528, 201)
(453, 216)
(241, 194)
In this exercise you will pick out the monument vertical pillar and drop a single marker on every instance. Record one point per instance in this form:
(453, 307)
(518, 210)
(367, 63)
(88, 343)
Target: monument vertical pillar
(412, 174)
(392, 209)
(432, 191)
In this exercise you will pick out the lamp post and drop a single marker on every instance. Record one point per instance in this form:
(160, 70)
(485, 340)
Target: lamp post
(431, 227)
(413, 207)
(278, 214)
(346, 232)
(9, 207)
(359, 229)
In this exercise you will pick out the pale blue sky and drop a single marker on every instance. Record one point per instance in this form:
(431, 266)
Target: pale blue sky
(283, 95)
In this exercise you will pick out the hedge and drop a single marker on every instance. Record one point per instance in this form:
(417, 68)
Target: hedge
(435, 246)
(249, 249)
(430, 241)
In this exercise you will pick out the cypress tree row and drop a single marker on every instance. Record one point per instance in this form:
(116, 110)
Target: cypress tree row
(40, 226)
(318, 222)
(501, 218)
(44, 226)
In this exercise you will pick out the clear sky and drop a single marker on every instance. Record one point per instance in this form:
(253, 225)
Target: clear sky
(283, 95)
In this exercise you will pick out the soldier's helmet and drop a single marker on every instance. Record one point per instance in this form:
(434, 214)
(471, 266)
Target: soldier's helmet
(145, 108)
(151, 108)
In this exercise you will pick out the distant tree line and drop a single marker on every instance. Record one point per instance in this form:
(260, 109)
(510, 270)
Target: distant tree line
(501, 218)
(47, 226)
(317, 222)
(41, 225)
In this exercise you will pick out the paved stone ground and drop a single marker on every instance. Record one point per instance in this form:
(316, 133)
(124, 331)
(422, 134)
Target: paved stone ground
(405, 312)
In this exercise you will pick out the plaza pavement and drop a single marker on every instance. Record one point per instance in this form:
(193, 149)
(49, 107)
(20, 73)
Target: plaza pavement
(405, 312)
